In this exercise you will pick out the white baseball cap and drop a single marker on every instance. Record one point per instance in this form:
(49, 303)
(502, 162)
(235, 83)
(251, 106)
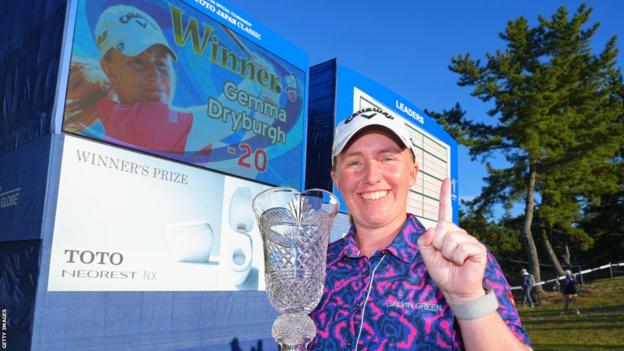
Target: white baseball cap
(128, 30)
(365, 118)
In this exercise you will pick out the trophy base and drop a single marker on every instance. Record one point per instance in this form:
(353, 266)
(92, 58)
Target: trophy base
(293, 331)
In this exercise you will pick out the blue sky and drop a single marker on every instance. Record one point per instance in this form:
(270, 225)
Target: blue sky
(407, 45)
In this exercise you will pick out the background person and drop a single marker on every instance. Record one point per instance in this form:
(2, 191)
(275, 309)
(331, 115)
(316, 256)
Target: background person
(391, 284)
(528, 282)
(569, 290)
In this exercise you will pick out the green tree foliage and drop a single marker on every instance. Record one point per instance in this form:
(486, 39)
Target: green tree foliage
(501, 240)
(556, 115)
(604, 218)
(607, 221)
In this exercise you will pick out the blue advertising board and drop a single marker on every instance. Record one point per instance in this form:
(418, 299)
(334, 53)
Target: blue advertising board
(171, 115)
(193, 81)
(23, 175)
(30, 33)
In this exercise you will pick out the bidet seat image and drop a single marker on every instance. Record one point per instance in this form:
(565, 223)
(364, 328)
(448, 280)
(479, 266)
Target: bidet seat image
(239, 253)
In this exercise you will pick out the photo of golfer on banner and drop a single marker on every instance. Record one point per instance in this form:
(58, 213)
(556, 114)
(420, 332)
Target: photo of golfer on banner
(167, 79)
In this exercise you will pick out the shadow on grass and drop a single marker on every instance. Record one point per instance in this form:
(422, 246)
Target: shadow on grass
(593, 318)
(571, 347)
(568, 327)
(570, 322)
(537, 312)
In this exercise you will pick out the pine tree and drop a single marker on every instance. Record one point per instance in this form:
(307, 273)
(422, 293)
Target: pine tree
(556, 117)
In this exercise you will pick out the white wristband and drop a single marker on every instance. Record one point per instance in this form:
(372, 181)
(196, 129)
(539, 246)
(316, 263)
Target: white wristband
(476, 308)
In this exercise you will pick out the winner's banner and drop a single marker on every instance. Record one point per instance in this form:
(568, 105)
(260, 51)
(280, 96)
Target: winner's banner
(165, 78)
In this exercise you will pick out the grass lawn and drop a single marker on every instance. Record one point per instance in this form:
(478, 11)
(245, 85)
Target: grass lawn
(600, 326)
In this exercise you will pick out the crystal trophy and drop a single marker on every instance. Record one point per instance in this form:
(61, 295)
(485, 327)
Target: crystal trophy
(295, 228)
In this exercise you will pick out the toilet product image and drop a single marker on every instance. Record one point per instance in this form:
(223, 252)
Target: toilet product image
(190, 241)
(239, 251)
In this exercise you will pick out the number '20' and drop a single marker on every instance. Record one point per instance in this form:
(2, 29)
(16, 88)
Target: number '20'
(259, 158)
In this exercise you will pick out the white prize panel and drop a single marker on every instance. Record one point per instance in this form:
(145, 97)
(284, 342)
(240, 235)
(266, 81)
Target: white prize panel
(126, 221)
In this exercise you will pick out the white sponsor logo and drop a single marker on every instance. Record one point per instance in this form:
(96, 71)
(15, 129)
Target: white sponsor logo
(9, 198)
(5, 343)
(413, 305)
(230, 16)
(415, 115)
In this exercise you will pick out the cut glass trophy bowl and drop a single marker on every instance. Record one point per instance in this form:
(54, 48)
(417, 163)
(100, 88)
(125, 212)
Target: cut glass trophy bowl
(295, 228)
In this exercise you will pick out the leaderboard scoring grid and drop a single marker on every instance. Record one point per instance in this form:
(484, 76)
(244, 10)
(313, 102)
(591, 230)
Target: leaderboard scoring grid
(433, 160)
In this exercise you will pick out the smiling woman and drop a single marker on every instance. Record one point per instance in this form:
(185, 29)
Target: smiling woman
(148, 76)
(131, 96)
(390, 284)
(374, 175)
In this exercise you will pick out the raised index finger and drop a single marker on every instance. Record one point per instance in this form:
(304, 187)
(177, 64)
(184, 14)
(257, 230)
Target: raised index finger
(445, 213)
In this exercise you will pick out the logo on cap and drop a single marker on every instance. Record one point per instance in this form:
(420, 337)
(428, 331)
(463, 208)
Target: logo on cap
(140, 19)
(101, 38)
(362, 113)
(371, 116)
(113, 31)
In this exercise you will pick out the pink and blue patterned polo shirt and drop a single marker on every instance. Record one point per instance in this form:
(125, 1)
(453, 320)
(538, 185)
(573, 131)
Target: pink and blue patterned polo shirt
(389, 302)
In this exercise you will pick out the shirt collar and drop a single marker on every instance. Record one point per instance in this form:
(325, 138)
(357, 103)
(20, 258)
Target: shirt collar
(350, 248)
(403, 247)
